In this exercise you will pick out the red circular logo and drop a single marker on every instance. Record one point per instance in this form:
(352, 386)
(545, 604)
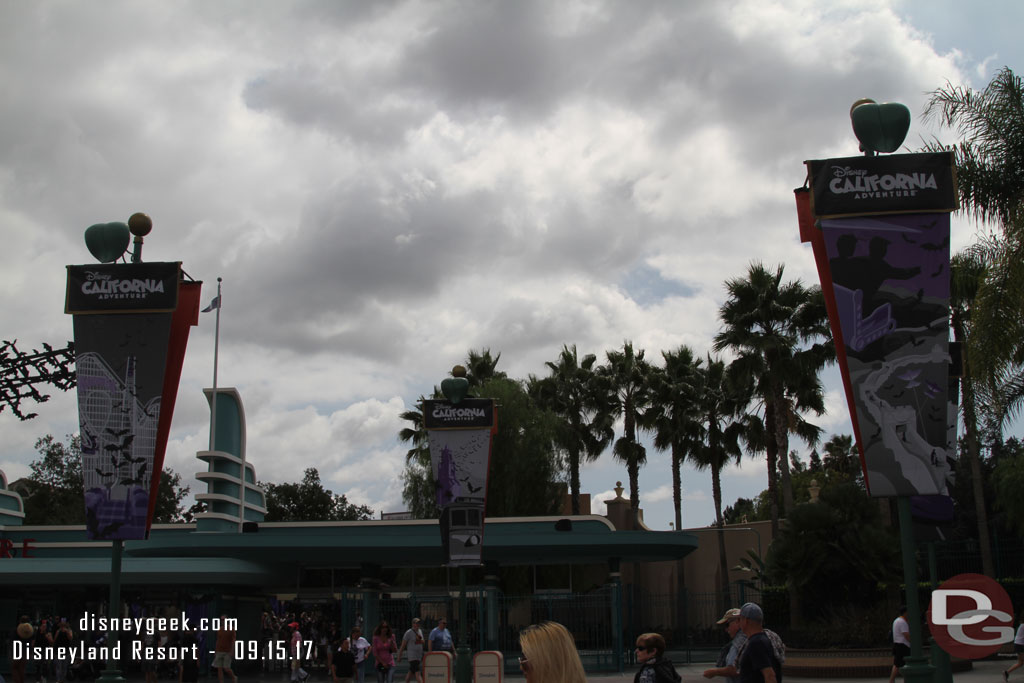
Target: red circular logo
(970, 616)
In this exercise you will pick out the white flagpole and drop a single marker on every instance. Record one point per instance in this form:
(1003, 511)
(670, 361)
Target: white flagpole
(216, 350)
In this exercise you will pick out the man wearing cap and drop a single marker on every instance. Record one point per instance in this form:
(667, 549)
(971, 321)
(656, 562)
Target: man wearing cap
(759, 662)
(413, 639)
(726, 664)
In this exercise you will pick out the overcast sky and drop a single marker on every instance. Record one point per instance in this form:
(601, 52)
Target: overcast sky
(383, 186)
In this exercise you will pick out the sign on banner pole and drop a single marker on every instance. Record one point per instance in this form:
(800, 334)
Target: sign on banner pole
(880, 232)
(131, 324)
(460, 430)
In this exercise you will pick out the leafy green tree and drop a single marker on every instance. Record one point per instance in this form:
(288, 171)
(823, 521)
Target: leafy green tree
(417, 481)
(584, 427)
(524, 460)
(1008, 478)
(840, 465)
(54, 488)
(525, 463)
(54, 492)
(626, 382)
(835, 551)
(674, 412)
(720, 412)
(170, 499)
(779, 332)
(309, 501)
(418, 490)
(988, 278)
(739, 512)
(815, 461)
(968, 271)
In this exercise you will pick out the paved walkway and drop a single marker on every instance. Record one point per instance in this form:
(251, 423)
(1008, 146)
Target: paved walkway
(988, 671)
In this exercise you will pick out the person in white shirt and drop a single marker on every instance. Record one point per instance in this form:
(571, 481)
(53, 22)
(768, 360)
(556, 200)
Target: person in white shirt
(413, 639)
(1018, 647)
(900, 643)
(360, 646)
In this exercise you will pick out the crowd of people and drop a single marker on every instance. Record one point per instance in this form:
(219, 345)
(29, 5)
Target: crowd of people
(58, 634)
(346, 657)
(753, 654)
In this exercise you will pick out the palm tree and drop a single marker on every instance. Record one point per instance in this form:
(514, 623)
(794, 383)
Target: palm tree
(625, 383)
(418, 476)
(779, 332)
(673, 414)
(481, 366)
(991, 154)
(571, 392)
(968, 271)
(841, 456)
(720, 410)
(988, 280)
(989, 159)
(415, 434)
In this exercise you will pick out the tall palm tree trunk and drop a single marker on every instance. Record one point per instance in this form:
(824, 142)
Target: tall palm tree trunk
(781, 429)
(574, 480)
(632, 464)
(677, 485)
(633, 468)
(771, 453)
(974, 453)
(723, 562)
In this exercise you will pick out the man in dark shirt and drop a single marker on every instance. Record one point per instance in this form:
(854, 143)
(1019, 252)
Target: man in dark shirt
(758, 663)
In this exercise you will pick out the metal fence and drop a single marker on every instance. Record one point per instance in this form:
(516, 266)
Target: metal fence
(588, 616)
(688, 620)
(964, 556)
(494, 620)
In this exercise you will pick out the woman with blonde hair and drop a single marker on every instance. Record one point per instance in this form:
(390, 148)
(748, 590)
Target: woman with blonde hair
(549, 655)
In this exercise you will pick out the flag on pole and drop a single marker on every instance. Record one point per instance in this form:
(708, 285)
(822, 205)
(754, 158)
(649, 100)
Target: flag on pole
(213, 304)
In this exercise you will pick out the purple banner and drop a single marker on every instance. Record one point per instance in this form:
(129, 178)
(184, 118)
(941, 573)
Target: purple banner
(460, 459)
(121, 350)
(890, 284)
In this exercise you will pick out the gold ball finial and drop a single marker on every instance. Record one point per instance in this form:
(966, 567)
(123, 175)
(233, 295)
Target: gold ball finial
(459, 371)
(863, 100)
(140, 224)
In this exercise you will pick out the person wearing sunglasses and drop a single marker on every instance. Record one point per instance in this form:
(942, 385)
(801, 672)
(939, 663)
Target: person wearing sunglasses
(549, 655)
(655, 667)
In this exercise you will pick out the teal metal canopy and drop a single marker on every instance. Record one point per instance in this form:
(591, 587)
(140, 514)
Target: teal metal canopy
(52, 571)
(274, 547)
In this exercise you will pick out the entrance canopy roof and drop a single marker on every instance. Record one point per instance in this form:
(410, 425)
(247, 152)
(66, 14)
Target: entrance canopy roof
(62, 554)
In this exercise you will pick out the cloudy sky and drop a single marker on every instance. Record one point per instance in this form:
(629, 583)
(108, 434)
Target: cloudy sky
(383, 186)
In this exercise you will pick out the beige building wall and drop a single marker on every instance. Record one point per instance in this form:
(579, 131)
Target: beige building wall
(656, 588)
